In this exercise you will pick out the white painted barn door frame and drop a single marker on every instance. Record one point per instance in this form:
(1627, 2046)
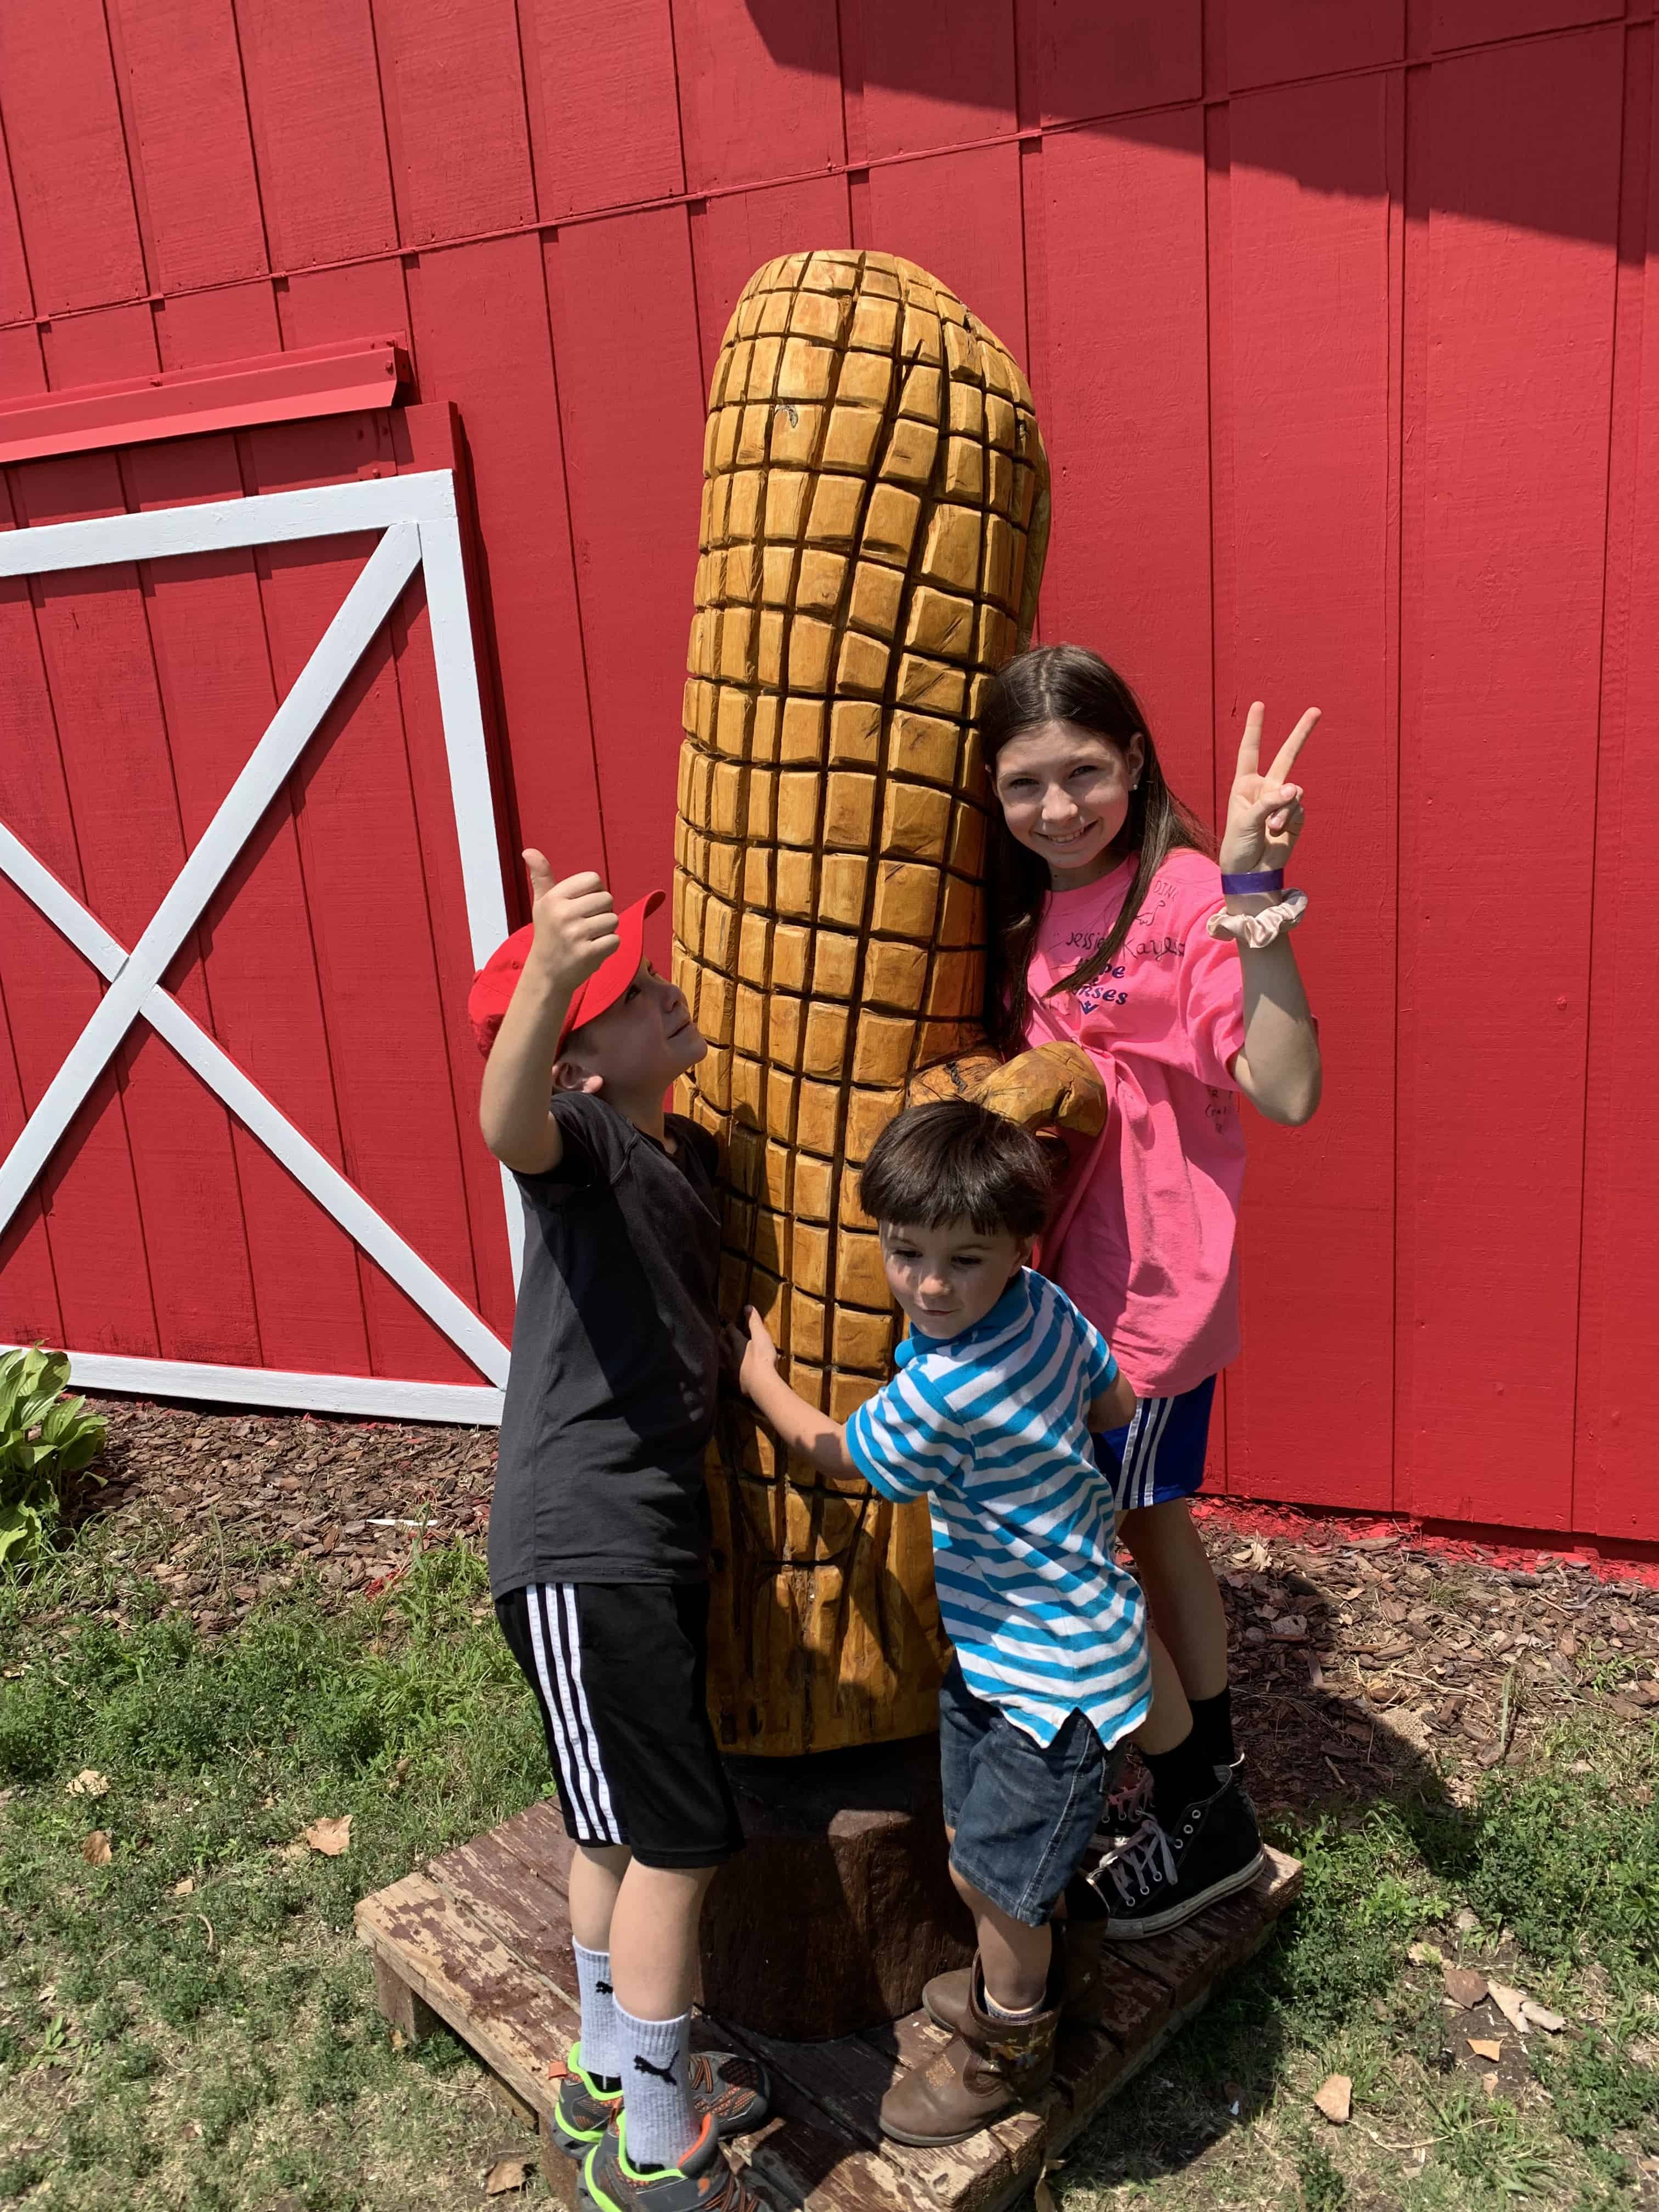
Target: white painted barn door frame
(417, 518)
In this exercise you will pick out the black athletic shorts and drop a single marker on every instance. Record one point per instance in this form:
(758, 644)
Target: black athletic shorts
(618, 1670)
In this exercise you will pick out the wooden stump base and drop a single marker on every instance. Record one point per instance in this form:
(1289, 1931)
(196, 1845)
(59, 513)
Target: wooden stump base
(482, 1939)
(840, 1909)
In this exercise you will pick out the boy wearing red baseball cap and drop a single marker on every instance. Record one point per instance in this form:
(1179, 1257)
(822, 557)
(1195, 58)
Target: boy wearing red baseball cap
(598, 1528)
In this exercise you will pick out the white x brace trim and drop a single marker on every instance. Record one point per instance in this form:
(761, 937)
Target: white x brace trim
(418, 515)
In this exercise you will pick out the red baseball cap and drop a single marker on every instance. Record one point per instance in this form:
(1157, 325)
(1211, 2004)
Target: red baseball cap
(497, 980)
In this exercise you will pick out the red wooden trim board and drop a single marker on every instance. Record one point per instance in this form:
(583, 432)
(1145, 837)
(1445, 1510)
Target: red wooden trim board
(281, 387)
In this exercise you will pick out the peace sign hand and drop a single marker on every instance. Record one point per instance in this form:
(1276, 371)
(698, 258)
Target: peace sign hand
(1264, 812)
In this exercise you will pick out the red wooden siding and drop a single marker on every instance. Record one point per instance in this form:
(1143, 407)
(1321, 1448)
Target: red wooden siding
(332, 962)
(1343, 330)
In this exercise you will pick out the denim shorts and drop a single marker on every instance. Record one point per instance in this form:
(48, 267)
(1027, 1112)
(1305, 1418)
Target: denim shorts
(1023, 1815)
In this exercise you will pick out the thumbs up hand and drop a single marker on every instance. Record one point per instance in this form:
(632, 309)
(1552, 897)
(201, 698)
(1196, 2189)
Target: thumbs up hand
(574, 920)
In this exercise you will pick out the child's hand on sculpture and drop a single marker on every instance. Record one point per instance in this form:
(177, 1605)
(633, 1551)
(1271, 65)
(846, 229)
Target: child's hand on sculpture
(751, 1349)
(802, 1428)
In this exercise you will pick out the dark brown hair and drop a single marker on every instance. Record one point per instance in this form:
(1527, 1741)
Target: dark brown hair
(955, 1161)
(1066, 683)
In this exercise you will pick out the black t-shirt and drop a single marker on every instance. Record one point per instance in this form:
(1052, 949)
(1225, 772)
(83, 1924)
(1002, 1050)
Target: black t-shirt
(615, 1354)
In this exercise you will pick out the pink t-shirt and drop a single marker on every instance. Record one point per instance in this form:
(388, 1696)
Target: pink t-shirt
(1145, 1243)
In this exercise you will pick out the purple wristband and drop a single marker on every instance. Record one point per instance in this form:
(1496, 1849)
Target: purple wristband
(1263, 880)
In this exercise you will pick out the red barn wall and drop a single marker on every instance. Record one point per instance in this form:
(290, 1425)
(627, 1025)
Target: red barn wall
(1342, 326)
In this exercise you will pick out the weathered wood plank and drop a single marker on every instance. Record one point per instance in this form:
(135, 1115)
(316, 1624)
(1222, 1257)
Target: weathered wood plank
(516, 2024)
(536, 1837)
(529, 1917)
(801, 2158)
(483, 1942)
(1187, 1959)
(845, 2080)
(410, 2014)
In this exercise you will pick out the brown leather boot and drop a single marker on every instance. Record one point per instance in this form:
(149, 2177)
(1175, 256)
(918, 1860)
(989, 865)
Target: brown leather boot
(1076, 1972)
(987, 2068)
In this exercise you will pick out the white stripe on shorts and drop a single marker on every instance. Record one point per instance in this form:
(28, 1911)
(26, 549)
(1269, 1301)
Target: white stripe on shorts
(1140, 1450)
(578, 1762)
(572, 1653)
(567, 1661)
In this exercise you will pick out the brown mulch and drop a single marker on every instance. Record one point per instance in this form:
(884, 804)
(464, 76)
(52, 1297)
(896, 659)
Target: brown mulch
(252, 1503)
(1355, 1657)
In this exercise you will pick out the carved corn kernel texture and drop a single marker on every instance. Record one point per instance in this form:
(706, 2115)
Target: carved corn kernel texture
(875, 512)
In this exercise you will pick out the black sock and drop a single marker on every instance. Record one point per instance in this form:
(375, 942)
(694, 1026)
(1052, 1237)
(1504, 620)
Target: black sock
(1180, 1777)
(1212, 1725)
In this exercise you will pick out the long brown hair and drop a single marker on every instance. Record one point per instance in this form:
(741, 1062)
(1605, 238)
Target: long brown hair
(1066, 683)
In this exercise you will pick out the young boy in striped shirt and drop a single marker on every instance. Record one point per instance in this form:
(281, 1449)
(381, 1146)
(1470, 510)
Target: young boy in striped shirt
(999, 1383)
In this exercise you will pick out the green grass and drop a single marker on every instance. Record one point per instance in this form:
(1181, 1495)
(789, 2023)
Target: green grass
(220, 2050)
(1565, 1863)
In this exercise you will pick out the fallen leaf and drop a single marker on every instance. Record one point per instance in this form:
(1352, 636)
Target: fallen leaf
(1292, 1628)
(1485, 2046)
(1509, 2002)
(1464, 1986)
(1425, 1955)
(1542, 2016)
(506, 2173)
(1465, 1923)
(184, 1888)
(1489, 2083)
(1335, 2098)
(90, 1783)
(332, 1837)
(95, 1848)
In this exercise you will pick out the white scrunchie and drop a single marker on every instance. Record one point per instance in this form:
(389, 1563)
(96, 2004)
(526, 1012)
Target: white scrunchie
(1256, 930)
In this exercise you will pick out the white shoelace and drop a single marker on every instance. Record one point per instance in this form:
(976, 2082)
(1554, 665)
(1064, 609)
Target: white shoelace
(1137, 1865)
(1125, 1808)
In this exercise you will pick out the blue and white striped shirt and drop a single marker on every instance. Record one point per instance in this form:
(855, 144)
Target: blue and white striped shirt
(990, 1427)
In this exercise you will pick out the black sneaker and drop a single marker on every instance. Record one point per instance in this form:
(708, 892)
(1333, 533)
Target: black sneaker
(1129, 1803)
(1160, 1879)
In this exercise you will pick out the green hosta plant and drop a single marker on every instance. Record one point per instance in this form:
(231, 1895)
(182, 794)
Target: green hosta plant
(44, 1438)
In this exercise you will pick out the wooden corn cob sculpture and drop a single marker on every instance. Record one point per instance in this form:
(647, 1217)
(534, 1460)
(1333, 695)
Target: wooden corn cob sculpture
(874, 518)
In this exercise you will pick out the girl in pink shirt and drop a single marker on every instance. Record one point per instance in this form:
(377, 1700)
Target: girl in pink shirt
(1112, 927)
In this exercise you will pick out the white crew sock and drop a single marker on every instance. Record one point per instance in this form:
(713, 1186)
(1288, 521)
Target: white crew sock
(662, 2122)
(1000, 2012)
(601, 2053)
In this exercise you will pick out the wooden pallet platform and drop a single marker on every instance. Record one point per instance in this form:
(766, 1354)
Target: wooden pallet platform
(482, 1940)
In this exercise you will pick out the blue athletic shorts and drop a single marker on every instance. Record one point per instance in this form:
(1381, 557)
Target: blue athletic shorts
(1160, 1454)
